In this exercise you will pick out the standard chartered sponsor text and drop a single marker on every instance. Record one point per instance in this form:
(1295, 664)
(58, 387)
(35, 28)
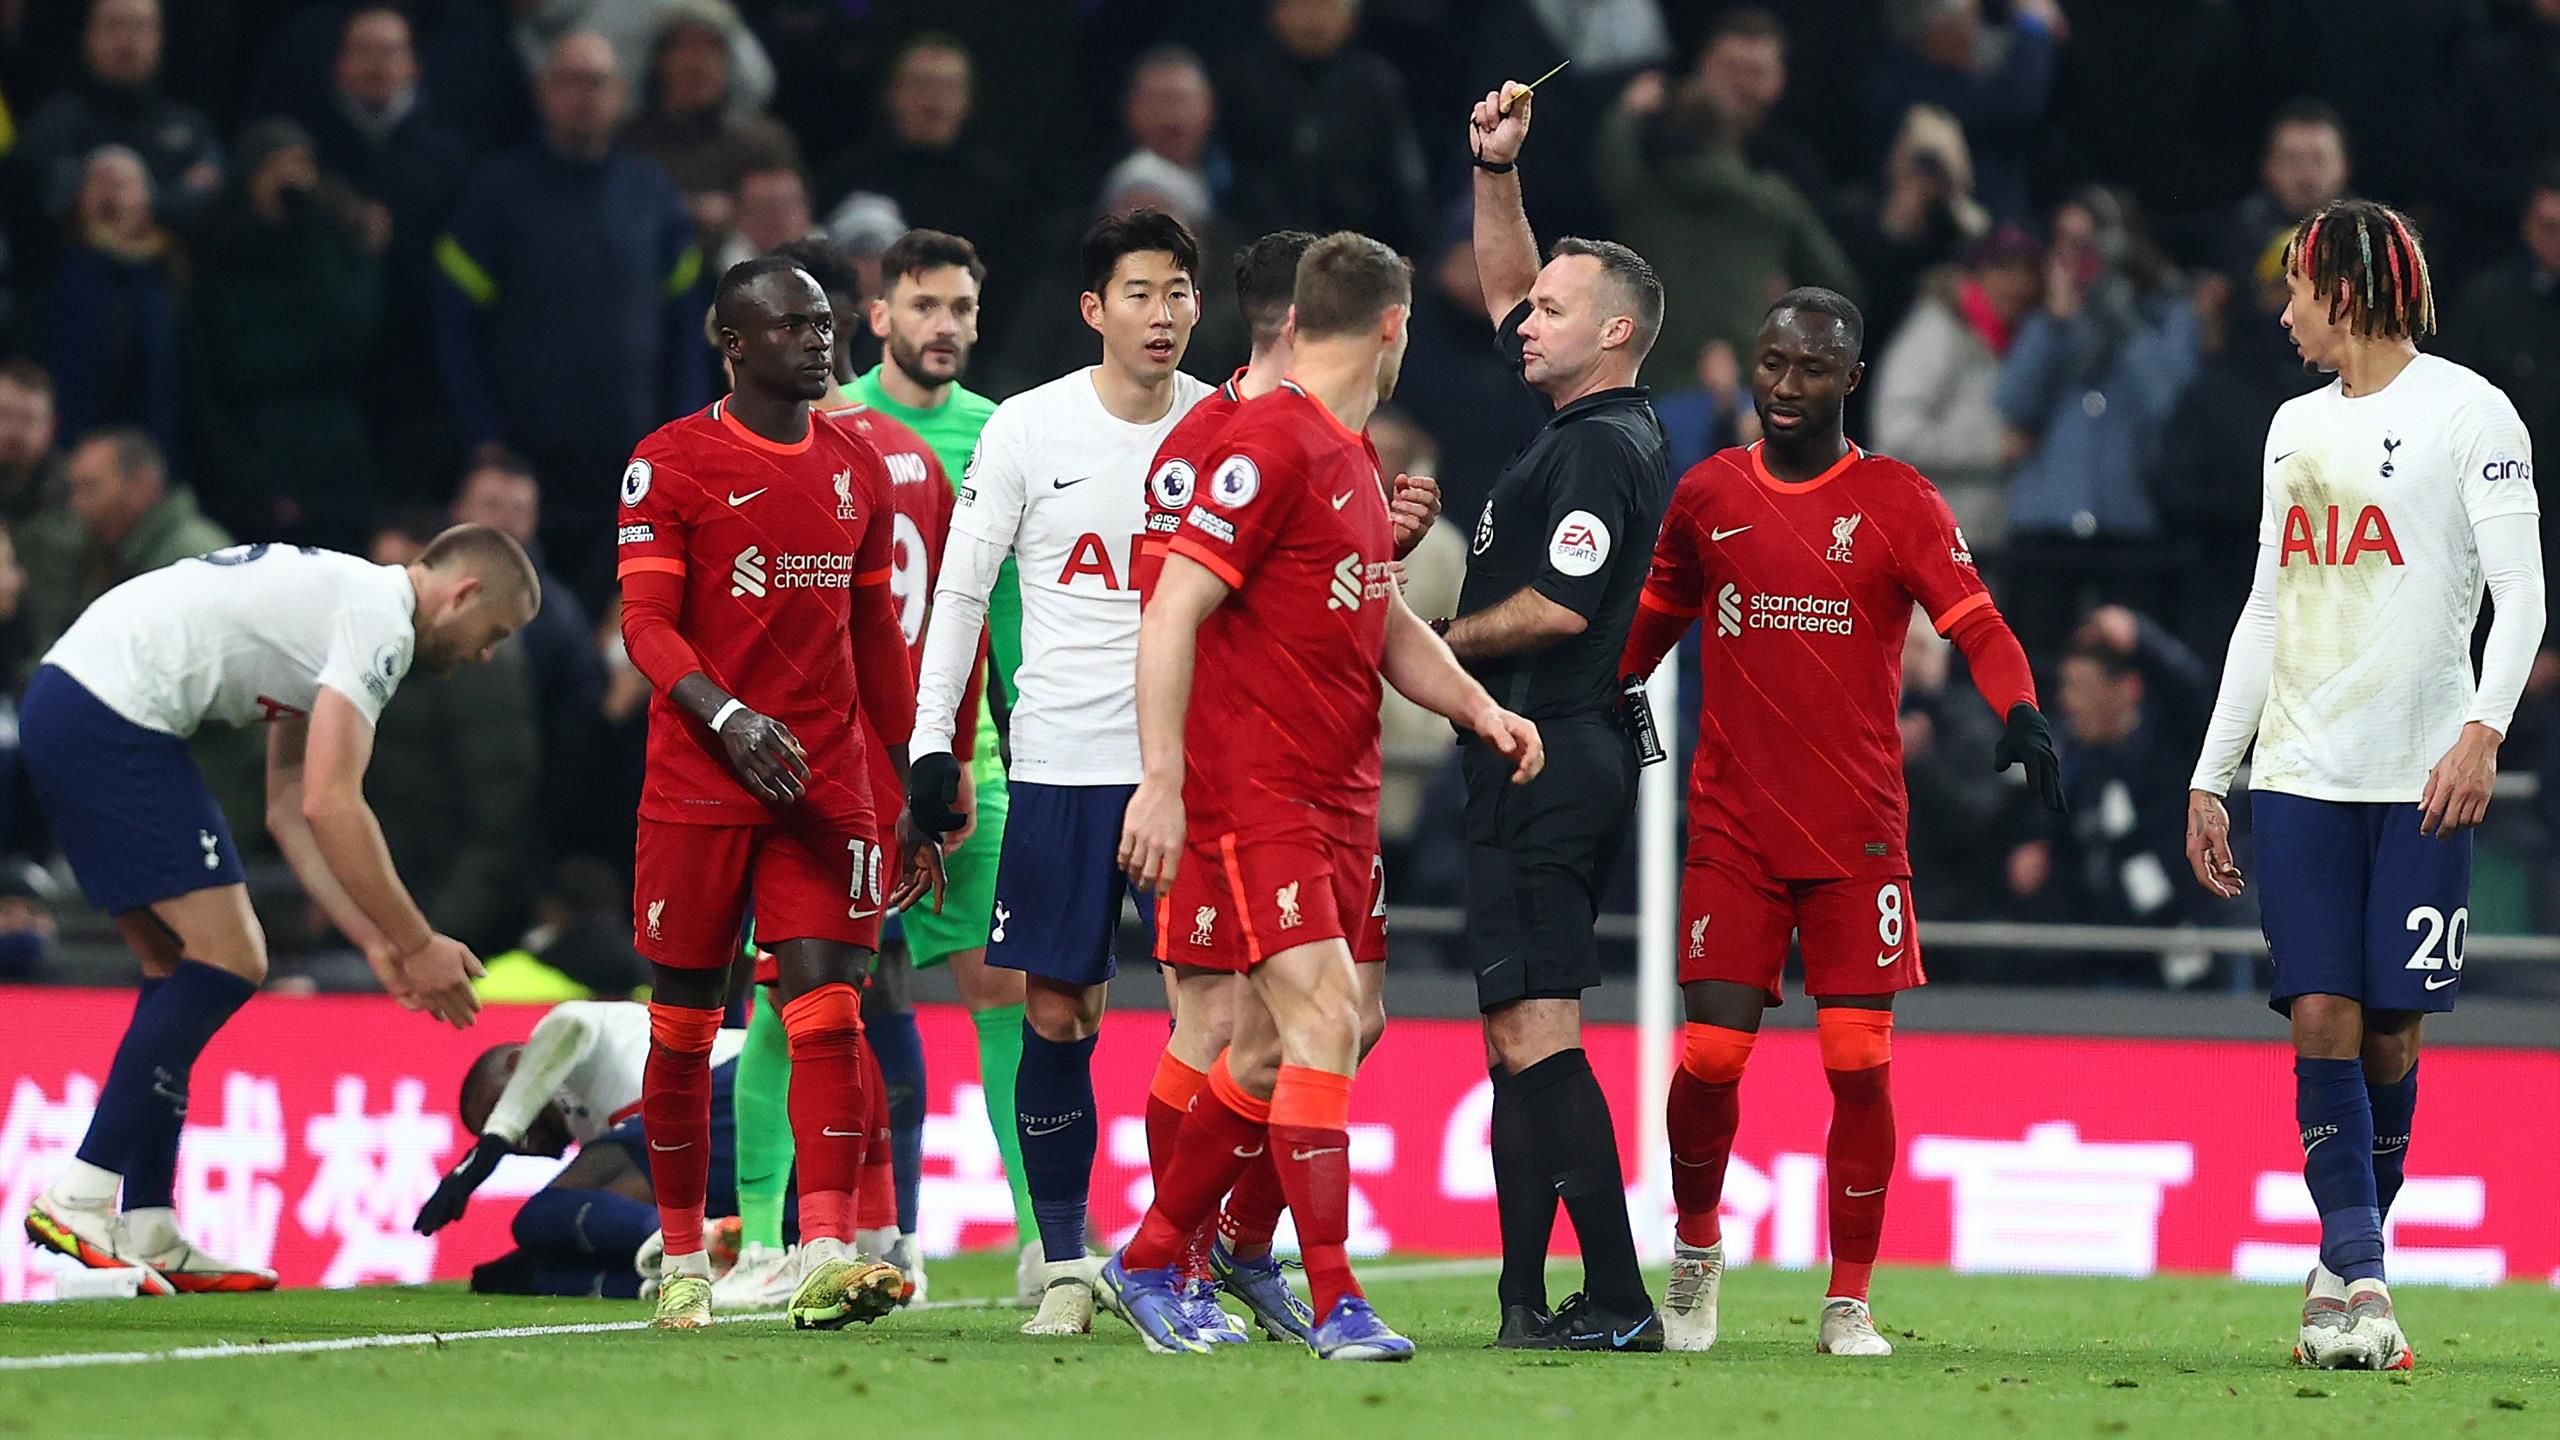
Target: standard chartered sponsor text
(812, 572)
(1817, 614)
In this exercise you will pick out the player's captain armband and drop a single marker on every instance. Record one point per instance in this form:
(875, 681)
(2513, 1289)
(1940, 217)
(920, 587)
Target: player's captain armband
(635, 482)
(635, 534)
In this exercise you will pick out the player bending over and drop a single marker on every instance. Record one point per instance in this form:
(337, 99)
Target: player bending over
(1059, 483)
(1263, 770)
(1808, 553)
(312, 644)
(1235, 1251)
(755, 568)
(2391, 495)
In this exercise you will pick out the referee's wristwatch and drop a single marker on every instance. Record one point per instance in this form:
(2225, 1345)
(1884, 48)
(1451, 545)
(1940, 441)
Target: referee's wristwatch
(1440, 627)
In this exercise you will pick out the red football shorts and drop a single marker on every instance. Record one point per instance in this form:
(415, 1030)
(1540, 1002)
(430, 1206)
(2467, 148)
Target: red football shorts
(808, 878)
(1859, 936)
(1237, 899)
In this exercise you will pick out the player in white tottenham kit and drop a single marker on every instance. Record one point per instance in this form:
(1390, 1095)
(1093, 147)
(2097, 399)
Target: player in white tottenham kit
(1059, 482)
(311, 644)
(2391, 497)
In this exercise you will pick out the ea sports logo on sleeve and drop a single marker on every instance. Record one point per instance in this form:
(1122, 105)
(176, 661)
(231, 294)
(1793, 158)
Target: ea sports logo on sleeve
(1484, 530)
(1580, 545)
(1173, 484)
(635, 482)
(1236, 482)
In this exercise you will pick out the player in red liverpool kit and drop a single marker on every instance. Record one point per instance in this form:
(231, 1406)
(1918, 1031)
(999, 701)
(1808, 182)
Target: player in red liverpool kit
(755, 543)
(1805, 555)
(1262, 766)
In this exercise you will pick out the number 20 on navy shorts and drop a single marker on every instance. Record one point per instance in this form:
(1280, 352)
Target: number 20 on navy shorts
(2356, 902)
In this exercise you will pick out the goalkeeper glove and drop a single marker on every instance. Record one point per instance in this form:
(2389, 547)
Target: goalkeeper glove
(2028, 741)
(933, 792)
(454, 1193)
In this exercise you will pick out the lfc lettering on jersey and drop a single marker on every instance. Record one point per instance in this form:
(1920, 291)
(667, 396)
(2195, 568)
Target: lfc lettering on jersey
(2318, 539)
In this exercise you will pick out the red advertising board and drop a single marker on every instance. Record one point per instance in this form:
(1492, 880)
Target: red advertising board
(319, 1125)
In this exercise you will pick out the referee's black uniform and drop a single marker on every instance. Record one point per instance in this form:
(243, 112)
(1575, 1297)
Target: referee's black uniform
(1574, 517)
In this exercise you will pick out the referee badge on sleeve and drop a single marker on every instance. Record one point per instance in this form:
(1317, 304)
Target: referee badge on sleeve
(1236, 483)
(1580, 545)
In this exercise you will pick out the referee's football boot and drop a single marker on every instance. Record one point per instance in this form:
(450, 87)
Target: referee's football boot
(1582, 1324)
(1520, 1322)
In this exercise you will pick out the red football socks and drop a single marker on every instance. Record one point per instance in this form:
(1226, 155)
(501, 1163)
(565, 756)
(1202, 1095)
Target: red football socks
(1311, 1146)
(1703, 1112)
(830, 1108)
(675, 1108)
(1857, 1049)
(1169, 1100)
(1253, 1210)
(1225, 1133)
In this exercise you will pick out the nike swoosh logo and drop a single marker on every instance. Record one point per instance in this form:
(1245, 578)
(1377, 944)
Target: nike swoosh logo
(1342, 499)
(833, 1133)
(1303, 1155)
(860, 914)
(2441, 981)
(737, 499)
(670, 1149)
(1854, 1193)
(1619, 1338)
(1691, 1164)
(1051, 1130)
(1884, 960)
(1726, 534)
(1063, 484)
(2289, 454)
(1252, 1154)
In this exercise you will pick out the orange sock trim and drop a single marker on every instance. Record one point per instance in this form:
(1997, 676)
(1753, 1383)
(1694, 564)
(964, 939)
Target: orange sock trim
(1854, 1039)
(1714, 1054)
(1176, 1083)
(681, 1028)
(827, 1007)
(1232, 1095)
(1311, 1099)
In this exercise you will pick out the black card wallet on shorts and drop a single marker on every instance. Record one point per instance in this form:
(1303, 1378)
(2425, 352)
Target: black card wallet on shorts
(1635, 715)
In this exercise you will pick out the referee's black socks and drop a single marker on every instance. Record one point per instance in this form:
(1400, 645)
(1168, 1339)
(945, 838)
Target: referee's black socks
(1522, 1197)
(1576, 1159)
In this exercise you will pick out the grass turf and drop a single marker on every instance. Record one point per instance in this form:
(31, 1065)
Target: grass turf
(1978, 1356)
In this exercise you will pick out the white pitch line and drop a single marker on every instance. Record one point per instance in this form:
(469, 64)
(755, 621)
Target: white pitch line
(1417, 1270)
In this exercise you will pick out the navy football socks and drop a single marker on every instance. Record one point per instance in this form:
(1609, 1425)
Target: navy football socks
(2395, 1110)
(560, 1224)
(2338, 1164)
(1053, 1103)
(143, 1106)
(900, 1046)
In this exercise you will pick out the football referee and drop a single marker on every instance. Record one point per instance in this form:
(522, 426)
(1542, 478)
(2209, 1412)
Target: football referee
(1560, 555)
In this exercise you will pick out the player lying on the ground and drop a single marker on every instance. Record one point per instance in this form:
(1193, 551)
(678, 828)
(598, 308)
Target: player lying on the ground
(1808, 553)
(312, 644)
(1262, 768)
(2392, 496)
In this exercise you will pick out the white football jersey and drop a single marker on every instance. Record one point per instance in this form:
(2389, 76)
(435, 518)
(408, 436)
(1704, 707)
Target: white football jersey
(244, 636)
(586, 1055)
(2370, 502)
(1062, 482)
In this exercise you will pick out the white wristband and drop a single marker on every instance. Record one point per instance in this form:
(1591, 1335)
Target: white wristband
(720, 717)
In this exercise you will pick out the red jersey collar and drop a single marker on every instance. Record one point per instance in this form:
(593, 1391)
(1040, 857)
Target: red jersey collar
(1760, 467)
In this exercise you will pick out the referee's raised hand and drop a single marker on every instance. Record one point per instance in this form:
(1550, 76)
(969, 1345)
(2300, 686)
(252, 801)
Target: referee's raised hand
(1495, 135)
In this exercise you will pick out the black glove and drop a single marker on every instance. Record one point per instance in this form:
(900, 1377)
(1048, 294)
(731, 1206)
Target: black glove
(933, 792)
(453, 1195)
(2028, 741)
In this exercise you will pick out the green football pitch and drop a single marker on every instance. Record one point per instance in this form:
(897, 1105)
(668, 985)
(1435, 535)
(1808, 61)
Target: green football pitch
(1977, 1357)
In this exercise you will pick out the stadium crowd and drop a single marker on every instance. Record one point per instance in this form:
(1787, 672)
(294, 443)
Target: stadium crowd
(339, 273)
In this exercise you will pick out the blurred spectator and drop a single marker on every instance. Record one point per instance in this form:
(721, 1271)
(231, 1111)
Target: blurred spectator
(771, 210)
(26, 926)
(478, 88)
(2306, 166)
(1741, 73)
(2087, 392)
(1049, 335)
(286, 295)
(927, 162)
(1690, 200)
(456, 761)
(2151, 95)
(1713, 413)
(2213, 456)
(569, 319)
(1170, 112)
(2393, 68)
(1924, 218)
(688, 125)
(35, 505)
(559, 644)
(2507, 326)
(1932, 386)
(1962, 821)
(2507, 123)
(1609, 43)
(374, 129)
(2130, 695)
(610, 828)
(1430, 579)
(633, 28)
(1995, 83)
(1320, 131)
(114, 100)
(1456, 383)
(111, 315)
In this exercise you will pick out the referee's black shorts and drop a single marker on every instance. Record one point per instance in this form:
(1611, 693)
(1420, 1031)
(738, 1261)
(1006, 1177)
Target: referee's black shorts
(1538, 857)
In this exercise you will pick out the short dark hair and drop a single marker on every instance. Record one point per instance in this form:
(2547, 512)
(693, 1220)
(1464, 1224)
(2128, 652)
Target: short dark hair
(2546, 180)
(133, 448)
(1346, 281)
(1637, 284)
(935, 40)
(1267, 279)
(2116, 662)
(826, 262)
(1826, 302)
(2307, 111)
(741, 275)
(1135, 232)
(483, 1083)
(501, 459)
(418, 524)
(1159, 57)
(1744, 22)
(917, 251)
(490, 553)
(27, 375)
